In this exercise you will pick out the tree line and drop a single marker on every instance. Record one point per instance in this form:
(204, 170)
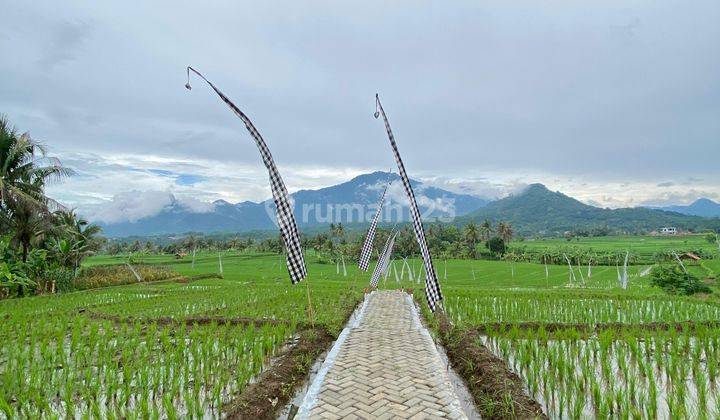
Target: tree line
(42, 243)
(445, 241)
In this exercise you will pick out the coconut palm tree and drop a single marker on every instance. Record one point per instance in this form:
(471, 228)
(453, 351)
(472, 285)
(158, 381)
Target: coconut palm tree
(25, 169)
(504, 230)
(485, 230)
(471, 235)
(80, 234)
(27, 225)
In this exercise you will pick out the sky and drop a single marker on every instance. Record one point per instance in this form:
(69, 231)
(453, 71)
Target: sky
(616, 103)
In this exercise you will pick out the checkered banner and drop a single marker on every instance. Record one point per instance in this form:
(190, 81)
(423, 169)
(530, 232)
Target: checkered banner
(366, 252)
(432, 287)
(384, 259)
(285, 217)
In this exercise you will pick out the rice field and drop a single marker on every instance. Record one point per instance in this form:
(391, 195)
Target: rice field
(473, 308)
(186, 348)
(595, 350)
(69, 366)
(135, 351)
(645, 247)
(668, 374)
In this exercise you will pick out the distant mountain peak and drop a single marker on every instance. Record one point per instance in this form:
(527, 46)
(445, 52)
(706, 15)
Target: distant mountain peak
(374, 177)
(536, 188)
(703, 207)
(703, 200)
(312, 209)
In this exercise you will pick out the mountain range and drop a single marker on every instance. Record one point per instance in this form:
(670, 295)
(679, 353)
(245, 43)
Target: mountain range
(351, 203)
(536, 210)
(701, 207)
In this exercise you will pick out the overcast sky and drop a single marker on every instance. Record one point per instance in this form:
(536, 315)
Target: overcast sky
(614, 102)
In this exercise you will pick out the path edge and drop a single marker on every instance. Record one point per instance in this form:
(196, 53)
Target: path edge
(310, 399)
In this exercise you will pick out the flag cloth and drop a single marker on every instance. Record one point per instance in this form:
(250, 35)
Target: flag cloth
(366, 252)
(384, 260)
(432, 287)
(285, 217)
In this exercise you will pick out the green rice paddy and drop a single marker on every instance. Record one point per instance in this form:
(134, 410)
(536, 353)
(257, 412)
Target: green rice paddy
(134, 351)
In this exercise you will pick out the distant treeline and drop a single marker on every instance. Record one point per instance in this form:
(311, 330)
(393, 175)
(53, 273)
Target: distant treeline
(472, 241)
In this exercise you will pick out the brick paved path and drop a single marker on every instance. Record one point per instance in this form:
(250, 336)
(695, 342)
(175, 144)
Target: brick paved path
(385, 366)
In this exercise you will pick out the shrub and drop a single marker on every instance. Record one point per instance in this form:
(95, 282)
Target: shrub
(113, 275)
(63, 278)
(496, 245)
(13, 279)
(674, 280)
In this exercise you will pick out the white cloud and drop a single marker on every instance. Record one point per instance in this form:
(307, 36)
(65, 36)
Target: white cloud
(131, 206)
(194, 205)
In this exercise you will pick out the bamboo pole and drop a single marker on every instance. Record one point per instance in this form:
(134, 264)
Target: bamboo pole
(220, 262)
(311, 314)
(137, 276)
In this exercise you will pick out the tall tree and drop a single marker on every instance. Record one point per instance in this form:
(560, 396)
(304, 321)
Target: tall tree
(486, 230)
(81, 235)
(25, 169)
(28, 225)
(471, 235)
(504, 230)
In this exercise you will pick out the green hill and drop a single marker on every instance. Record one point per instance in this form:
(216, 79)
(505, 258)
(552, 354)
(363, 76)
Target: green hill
(538, 210)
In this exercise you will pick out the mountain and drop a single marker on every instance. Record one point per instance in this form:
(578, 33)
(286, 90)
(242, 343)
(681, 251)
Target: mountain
(352, 202)
(538, 210)
(702, 207)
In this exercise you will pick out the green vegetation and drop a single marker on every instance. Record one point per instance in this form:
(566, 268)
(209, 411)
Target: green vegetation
(676, 280)
(538, 211)
(659, 375)
(41, 243)
(114, 351)
(116, 274)
(164, 349)
(646, 248)
(586, 348)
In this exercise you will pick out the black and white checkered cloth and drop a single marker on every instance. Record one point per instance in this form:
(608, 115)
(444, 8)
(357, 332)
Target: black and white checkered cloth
(285, 217)
(432, 287)
(366, 252)
(384, 259)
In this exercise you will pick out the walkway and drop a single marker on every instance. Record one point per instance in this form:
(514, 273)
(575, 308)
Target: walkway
(383, 366)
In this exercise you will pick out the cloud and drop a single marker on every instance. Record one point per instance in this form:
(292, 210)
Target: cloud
(196, 206)
(66, 39)
(681, 197)
(615, 95)
(132, 206)
(491, 186)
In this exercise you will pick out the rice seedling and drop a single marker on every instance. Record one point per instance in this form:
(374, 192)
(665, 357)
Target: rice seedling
(614, 374)
(478, 307)
(103, 368)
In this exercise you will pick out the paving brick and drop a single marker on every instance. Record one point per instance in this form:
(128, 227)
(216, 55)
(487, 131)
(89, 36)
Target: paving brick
(387, 368)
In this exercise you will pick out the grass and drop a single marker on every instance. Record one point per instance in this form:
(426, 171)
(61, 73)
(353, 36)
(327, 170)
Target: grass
(644, 246)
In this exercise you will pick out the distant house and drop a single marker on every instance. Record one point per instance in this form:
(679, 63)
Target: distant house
(668, 230)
